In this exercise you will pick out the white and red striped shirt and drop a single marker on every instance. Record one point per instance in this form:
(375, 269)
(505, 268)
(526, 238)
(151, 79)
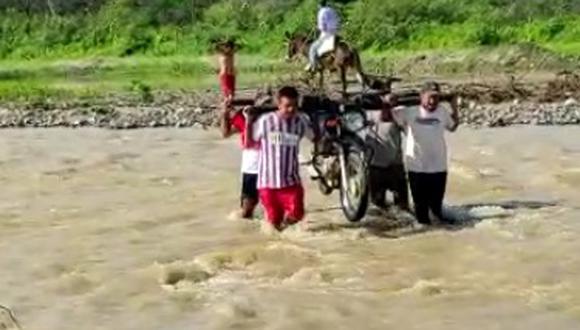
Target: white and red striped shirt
(279, 141)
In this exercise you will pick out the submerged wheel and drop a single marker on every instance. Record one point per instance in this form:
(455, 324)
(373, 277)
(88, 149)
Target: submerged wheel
(354, 198)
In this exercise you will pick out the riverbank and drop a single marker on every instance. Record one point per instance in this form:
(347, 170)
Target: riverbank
(483, 106)
(94, 78)
(182, 115)
(502, 86)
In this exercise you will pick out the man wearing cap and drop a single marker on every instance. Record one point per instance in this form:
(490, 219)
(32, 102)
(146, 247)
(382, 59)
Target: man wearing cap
(426, 150)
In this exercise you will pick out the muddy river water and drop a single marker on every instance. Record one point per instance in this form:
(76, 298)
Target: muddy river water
(131, 230)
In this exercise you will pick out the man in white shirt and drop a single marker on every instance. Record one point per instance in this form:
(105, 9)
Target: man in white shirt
(328, 25)
(426, 150)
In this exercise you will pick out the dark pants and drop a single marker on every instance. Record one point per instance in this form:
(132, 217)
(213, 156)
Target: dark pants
(249, 196)
(428, 190)
(392, 178)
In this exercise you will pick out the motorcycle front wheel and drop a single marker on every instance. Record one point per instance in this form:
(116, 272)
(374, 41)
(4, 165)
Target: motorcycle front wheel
(354, 193)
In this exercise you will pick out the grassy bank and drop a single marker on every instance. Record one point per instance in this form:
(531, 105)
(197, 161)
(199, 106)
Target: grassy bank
(119, 28)
(96, 76)
(70, 48)
(93, 77)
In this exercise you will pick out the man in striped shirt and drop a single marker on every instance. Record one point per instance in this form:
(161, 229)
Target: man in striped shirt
(278, 134)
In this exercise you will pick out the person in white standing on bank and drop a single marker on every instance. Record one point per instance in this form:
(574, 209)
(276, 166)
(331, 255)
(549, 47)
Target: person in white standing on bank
(426, 150)
(328, 25)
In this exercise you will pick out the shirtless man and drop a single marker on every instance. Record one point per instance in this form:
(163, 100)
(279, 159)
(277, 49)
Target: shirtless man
(227, 70)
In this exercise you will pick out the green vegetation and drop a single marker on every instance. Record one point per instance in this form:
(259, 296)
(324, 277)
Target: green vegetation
(91, 77)
(58, 47)
(78, 28)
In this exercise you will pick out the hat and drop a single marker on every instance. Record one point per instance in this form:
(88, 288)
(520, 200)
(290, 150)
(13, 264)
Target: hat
(430, 86)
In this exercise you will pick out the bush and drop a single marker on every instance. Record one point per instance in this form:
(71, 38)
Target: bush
(486, 35)
(166, 27)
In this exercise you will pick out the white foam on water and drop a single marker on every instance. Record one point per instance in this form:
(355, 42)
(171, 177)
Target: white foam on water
(307, 276)
(466, 214)
(269, 230)
(425, 288)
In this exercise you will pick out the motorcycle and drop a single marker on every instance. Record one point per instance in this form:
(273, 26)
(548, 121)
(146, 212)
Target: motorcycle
(340, 158)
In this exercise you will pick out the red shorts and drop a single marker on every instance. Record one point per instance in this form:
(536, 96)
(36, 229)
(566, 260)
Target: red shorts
(228, 85)
(283, 203)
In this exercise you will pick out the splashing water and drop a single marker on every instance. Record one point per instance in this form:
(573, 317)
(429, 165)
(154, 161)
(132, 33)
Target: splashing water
(130, 230)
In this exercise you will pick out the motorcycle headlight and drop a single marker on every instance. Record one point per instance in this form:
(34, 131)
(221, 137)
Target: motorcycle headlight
(354, 121)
